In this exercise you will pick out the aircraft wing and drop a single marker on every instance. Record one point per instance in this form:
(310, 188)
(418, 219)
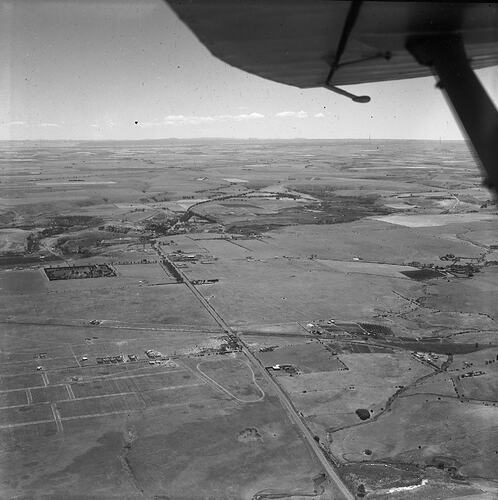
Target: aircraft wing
(295, 41)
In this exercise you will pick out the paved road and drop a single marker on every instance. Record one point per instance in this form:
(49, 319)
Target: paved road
(282, 396)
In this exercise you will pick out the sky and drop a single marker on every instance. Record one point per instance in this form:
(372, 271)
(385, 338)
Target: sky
(91, 69)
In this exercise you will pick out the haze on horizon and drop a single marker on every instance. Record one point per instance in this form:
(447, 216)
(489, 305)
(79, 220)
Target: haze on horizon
(118, 70)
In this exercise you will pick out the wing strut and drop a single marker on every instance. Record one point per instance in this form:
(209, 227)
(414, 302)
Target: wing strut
(354, 10)
(471, 104)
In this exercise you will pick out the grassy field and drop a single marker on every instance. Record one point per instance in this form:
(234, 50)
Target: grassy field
(308, 240)
(329, 399)
(234, 376)
(307, 358)
(159, 305)
(462, 435)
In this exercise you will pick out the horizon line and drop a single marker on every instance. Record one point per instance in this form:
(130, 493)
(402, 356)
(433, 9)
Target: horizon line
(287, 139)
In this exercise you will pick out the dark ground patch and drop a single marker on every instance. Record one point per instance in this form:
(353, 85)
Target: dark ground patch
(376, 329)
(423, 274)
(332, 210)
(19, 260)
(64, 223)
(348, 348)
(344, 208)
(79, 272)
(248, 228)
(239, 205)
(249, 434)
(363, 413)
(86, 243)
(375, 476)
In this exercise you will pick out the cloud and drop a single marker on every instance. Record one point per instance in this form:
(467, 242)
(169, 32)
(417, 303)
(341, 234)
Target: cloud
(250, 116)
(292, 114)
(197, 120)
(297, 114)
(17, 122)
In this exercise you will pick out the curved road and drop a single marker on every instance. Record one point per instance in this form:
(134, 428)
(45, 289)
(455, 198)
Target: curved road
(224, 389)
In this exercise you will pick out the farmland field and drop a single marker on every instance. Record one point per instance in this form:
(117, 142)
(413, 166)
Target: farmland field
(298, 307)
